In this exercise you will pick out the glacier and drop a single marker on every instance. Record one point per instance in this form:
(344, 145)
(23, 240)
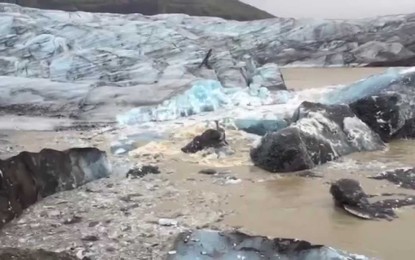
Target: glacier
(107, 63)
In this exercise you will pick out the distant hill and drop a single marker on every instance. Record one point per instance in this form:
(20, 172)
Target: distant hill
(228, 9)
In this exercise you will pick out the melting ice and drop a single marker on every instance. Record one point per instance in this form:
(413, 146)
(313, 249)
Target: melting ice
(204, 96)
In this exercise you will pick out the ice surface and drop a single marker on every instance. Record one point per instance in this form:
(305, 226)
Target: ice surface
(260, 126)
(372, 85)
(125, 61)
(204, 96)
(208, 244)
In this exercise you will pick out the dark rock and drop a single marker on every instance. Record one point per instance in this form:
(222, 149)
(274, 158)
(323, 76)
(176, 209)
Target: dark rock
(93, 224)
(407, 131)
(90, 238)
(211, 138)
(380, 113)
(208, 171)
(405, 178)
(236, 245)
(319, 133)
(384, 102)
(28, 177)
(29, 254)
(141, 171)
(349, 195)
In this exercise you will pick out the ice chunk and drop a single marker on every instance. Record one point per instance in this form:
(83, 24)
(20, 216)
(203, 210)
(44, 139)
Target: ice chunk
(269, 76)
(372, 85)
(260, 126)
(237, 245)
(203, 96)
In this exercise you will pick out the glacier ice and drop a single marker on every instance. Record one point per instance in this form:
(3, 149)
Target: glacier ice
(204, 96)
(208, 244)
(372, 85)
(260, 126)
(119, 57)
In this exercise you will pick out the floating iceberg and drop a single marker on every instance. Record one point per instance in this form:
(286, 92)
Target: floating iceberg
(204, 96)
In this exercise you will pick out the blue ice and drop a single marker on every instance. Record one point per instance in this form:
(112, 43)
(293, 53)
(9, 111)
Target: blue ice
(209, 245)
(372, 85)
(203, 96)
(260, 126)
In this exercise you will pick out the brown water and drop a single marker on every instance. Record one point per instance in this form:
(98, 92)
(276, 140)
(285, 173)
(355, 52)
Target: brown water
(279, 205)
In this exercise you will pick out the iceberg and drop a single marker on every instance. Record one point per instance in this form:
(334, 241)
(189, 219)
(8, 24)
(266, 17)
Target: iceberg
(204, 96)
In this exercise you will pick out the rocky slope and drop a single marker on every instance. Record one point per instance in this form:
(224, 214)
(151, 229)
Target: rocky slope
(229, 9)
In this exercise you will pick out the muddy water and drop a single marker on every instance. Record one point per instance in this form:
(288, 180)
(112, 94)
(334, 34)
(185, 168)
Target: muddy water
(295, 207)
(278, 205)
(304, 78)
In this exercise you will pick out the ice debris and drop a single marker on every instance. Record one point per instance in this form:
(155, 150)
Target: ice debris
(204, 96)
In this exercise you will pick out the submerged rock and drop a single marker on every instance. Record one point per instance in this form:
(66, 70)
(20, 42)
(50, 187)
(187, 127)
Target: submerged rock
(404, 178)
(32, 254)
(28, 177)
(319, 133)
(349, 195)
(211, 138)
(209, 244)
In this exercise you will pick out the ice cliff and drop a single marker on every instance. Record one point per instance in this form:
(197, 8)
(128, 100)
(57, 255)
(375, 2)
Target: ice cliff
(108, 64)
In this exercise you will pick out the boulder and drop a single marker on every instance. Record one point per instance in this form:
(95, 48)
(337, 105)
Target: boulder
(380, 113)
(237, 245)
(319, 133)
(32, 254)
(384, 102)
(28, 177)
(349, 195)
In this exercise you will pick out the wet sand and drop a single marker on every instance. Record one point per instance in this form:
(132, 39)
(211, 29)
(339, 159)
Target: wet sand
(269, 204)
